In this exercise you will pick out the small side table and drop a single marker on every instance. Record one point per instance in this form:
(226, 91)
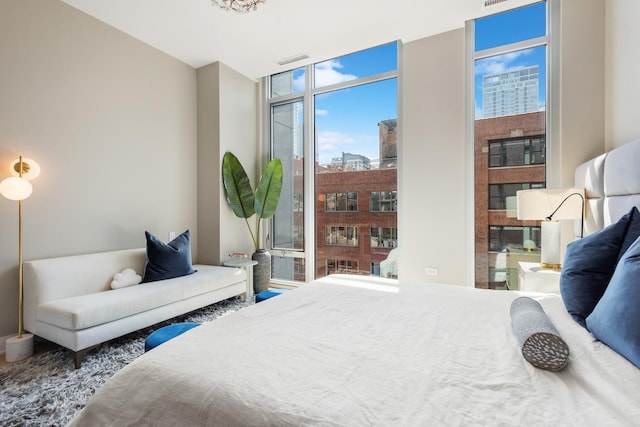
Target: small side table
(533, 278)
(247, 264)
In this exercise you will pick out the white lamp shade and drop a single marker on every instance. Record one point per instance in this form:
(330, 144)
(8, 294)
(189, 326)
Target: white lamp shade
(30, 171)
(540, 203)
(15, 188)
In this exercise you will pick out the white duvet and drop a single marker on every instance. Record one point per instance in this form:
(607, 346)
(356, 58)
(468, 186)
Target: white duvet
(354, 351)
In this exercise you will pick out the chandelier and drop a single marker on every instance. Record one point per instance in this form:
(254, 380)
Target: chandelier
(238, 5)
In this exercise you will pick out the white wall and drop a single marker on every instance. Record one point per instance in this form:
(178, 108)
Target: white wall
(432, 178)
(577, 126)
(227, 121)
(112, 123)
(622, 72)
(432, 174)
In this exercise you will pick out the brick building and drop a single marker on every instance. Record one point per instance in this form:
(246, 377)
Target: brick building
(356, 211)
(509, 154)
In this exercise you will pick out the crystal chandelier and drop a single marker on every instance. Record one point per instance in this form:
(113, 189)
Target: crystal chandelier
(238, 5)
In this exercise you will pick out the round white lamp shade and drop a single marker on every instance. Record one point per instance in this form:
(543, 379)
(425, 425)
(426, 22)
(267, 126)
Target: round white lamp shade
(30, 169)
(15, 188)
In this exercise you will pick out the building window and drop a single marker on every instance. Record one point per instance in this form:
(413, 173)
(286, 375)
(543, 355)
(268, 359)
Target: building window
(334, 266)
(298, 203)
(503, 237)
(341, 236)
(517, 152)
(341, 202)
(383, 201)
(499, 194)
(384, 237)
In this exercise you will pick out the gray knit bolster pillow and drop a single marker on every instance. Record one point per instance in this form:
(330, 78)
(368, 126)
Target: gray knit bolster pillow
(539, 340)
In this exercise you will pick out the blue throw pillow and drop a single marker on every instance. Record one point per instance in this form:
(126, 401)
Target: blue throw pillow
(616, 318)
(167, 260)
(589, 264)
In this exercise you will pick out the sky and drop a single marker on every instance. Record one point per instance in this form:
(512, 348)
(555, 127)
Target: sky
(347, 120)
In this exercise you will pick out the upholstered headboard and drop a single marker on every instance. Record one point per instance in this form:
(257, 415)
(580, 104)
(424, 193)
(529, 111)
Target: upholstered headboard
(612, 185)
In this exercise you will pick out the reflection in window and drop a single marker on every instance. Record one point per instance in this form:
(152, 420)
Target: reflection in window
(287, 82)
(384, 237)
(517, 152)
(498, 193)
(341, 236)
(501, 237)
(341, 202)
(334, 266)
(383, 201)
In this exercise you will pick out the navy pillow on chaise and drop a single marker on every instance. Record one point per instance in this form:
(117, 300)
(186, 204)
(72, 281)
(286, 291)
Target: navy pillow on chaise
(167, 260)
(589, 264)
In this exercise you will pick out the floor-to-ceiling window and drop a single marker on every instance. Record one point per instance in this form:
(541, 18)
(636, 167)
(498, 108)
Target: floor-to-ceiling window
(510, 137)
(334, 126)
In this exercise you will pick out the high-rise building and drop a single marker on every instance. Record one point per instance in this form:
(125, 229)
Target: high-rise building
(510, 92)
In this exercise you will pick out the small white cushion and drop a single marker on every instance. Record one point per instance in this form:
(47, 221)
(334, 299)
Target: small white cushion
(127, 277)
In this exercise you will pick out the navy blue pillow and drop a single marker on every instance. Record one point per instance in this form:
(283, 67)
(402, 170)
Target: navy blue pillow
(167, 260)
(616, 318)
(589, 264)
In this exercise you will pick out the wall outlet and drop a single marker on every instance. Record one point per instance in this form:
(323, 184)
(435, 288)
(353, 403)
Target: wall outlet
(172, 235)
(431, 271)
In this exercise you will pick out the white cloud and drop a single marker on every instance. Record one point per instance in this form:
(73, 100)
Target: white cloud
(500, 63)
(332, 140)
(320, 112)
(333, 143)
(298, 83)
(326, 73)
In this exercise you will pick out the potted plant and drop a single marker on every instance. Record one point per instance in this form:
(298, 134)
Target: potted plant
(246, 203)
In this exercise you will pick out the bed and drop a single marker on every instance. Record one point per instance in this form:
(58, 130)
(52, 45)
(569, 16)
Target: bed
(360, 351)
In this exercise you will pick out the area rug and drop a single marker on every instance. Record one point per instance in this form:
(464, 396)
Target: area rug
(46, 389)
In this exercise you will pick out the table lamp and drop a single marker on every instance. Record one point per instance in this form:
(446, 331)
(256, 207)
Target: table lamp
(549, 205)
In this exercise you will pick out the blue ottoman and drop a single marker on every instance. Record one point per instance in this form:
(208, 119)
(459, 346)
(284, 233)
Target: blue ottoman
(269, 293)
(165, 333)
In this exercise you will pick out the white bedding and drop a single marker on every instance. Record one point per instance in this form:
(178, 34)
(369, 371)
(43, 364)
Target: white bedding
(355, 351)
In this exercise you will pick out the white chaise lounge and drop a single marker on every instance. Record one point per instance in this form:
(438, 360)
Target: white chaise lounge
(69, 300)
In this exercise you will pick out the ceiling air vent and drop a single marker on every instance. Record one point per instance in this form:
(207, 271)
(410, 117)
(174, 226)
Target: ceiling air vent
(492, 2)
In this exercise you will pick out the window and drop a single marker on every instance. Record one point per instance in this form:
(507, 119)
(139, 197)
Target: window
(332, 123)
(499, 194)
(503, 237)
(384, 237)
(341, 266)
(383, 201)
(510, 91)
(341, 236)
(341, 202)
(517, 152)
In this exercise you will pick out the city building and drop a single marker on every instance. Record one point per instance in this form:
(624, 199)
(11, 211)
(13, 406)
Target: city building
(510, 92)
(509, 156)
(356, 209)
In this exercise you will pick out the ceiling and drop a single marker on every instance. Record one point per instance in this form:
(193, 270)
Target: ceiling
(198, 33)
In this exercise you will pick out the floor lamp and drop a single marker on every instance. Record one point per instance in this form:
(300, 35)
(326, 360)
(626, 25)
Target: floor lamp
(19, 188)
(550, 205)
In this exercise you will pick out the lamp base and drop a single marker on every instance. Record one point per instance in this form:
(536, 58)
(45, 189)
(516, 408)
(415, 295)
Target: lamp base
(551, 266)
(19, 348)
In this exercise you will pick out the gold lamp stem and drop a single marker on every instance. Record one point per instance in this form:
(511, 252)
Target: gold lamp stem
(19, 268)
(20, 260)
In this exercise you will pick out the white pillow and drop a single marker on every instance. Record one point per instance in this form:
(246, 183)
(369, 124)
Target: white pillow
(127, 277)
